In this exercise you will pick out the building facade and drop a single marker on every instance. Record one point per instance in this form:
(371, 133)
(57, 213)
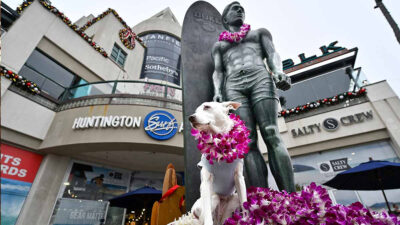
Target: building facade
(93, 109)
(104, 102)
(332, 119)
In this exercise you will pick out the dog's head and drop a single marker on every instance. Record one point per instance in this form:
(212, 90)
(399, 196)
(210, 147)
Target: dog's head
(213, 117)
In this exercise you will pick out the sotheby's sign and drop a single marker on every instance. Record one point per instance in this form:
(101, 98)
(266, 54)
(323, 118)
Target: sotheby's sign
(159, 124)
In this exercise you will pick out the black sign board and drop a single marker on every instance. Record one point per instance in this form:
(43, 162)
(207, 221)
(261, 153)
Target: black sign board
(339, 164)
(163, 58)
(330, 124)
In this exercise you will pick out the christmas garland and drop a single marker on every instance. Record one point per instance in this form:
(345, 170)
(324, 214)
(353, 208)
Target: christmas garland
(105, 13)
(23, 6)
(67, 21)
(20, 81)
(326, 101)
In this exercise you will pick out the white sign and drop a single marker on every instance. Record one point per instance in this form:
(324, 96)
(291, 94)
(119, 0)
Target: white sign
(106, 121)
(325, 167)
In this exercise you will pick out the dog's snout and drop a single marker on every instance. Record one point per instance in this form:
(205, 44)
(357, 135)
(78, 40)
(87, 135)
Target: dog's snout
(192, 118)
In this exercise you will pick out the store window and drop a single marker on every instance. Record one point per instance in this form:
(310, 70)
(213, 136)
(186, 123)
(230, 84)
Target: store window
(318, 168)
(323, 86)
(49, 75)
(163, 58)
(85, 196)
(118, 55)
(18, 171)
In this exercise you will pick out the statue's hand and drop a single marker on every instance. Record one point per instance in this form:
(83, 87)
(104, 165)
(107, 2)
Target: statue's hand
(282, 81)
(217, 97)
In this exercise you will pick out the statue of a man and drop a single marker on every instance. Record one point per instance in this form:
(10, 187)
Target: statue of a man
(241, 75)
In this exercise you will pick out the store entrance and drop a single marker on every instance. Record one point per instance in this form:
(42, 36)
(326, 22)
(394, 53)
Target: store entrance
(138, 204)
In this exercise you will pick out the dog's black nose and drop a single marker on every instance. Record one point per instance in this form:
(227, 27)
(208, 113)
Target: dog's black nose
(192, 118)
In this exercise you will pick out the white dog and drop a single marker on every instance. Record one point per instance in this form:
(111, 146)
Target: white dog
(218, 199)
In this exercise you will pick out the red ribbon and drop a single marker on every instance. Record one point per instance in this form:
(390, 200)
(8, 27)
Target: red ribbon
(169, 192)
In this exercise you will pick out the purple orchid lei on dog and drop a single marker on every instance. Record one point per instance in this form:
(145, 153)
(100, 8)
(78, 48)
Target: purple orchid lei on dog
(236, 36)
(310, 206)
(224, 147)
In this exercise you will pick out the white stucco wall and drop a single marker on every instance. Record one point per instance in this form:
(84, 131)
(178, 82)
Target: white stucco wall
(5, 83)
(387, 104)
(25, 116)
(162, 21)
(106, 33)
(24, 35)
(37, 22)
(83, 20)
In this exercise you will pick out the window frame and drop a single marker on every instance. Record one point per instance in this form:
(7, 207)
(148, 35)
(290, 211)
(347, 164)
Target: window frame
(75, 78)
(121, 54)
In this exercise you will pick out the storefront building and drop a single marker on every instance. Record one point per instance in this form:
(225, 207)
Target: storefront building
(333, 119)
(107, 120)
(93, 109)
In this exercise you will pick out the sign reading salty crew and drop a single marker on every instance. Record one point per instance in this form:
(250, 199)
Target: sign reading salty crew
(332, 124)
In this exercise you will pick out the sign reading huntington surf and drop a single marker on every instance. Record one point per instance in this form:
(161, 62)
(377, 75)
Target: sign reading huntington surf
(160, 125)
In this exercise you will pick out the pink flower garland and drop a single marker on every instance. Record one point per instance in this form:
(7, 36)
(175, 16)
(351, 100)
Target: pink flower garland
(237, 36)
(226, 147)
(310, 206)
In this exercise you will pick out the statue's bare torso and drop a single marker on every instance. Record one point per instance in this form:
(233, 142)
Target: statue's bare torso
(246, 54)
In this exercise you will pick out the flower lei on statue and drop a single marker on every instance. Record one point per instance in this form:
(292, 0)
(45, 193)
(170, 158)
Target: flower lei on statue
(224, 147)
(310, 206)
(236, 36)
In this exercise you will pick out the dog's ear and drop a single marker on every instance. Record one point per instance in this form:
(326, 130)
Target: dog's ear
(232, 105)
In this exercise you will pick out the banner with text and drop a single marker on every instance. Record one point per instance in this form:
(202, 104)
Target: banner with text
(18, 171)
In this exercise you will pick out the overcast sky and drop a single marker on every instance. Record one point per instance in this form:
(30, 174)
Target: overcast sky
(297, 26)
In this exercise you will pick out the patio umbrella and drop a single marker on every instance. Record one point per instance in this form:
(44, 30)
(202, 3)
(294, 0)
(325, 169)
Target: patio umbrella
(139, 198)
(372, 175)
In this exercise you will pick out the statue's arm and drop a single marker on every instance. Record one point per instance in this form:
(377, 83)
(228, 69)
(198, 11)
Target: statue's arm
(274, 60)
(218, 74)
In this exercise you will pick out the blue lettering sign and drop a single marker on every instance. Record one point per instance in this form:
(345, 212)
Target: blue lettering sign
(160, 125)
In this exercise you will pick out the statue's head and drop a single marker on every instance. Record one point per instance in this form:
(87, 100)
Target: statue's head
(233, 14)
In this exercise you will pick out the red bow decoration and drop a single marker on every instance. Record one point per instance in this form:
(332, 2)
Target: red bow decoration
(128, 34)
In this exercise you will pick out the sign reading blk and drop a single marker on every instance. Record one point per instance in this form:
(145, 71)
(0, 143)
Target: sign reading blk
(160, 125)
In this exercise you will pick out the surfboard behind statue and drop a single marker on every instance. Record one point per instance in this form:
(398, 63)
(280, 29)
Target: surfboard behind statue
(201, 28)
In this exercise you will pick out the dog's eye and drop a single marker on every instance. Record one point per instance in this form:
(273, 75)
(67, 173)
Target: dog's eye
(206, 107)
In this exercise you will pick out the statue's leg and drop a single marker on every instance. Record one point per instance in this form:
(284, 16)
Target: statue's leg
(279, 160)
(255, 169)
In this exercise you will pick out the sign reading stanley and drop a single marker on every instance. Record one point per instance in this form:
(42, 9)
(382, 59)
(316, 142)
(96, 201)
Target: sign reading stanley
(160, 125)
